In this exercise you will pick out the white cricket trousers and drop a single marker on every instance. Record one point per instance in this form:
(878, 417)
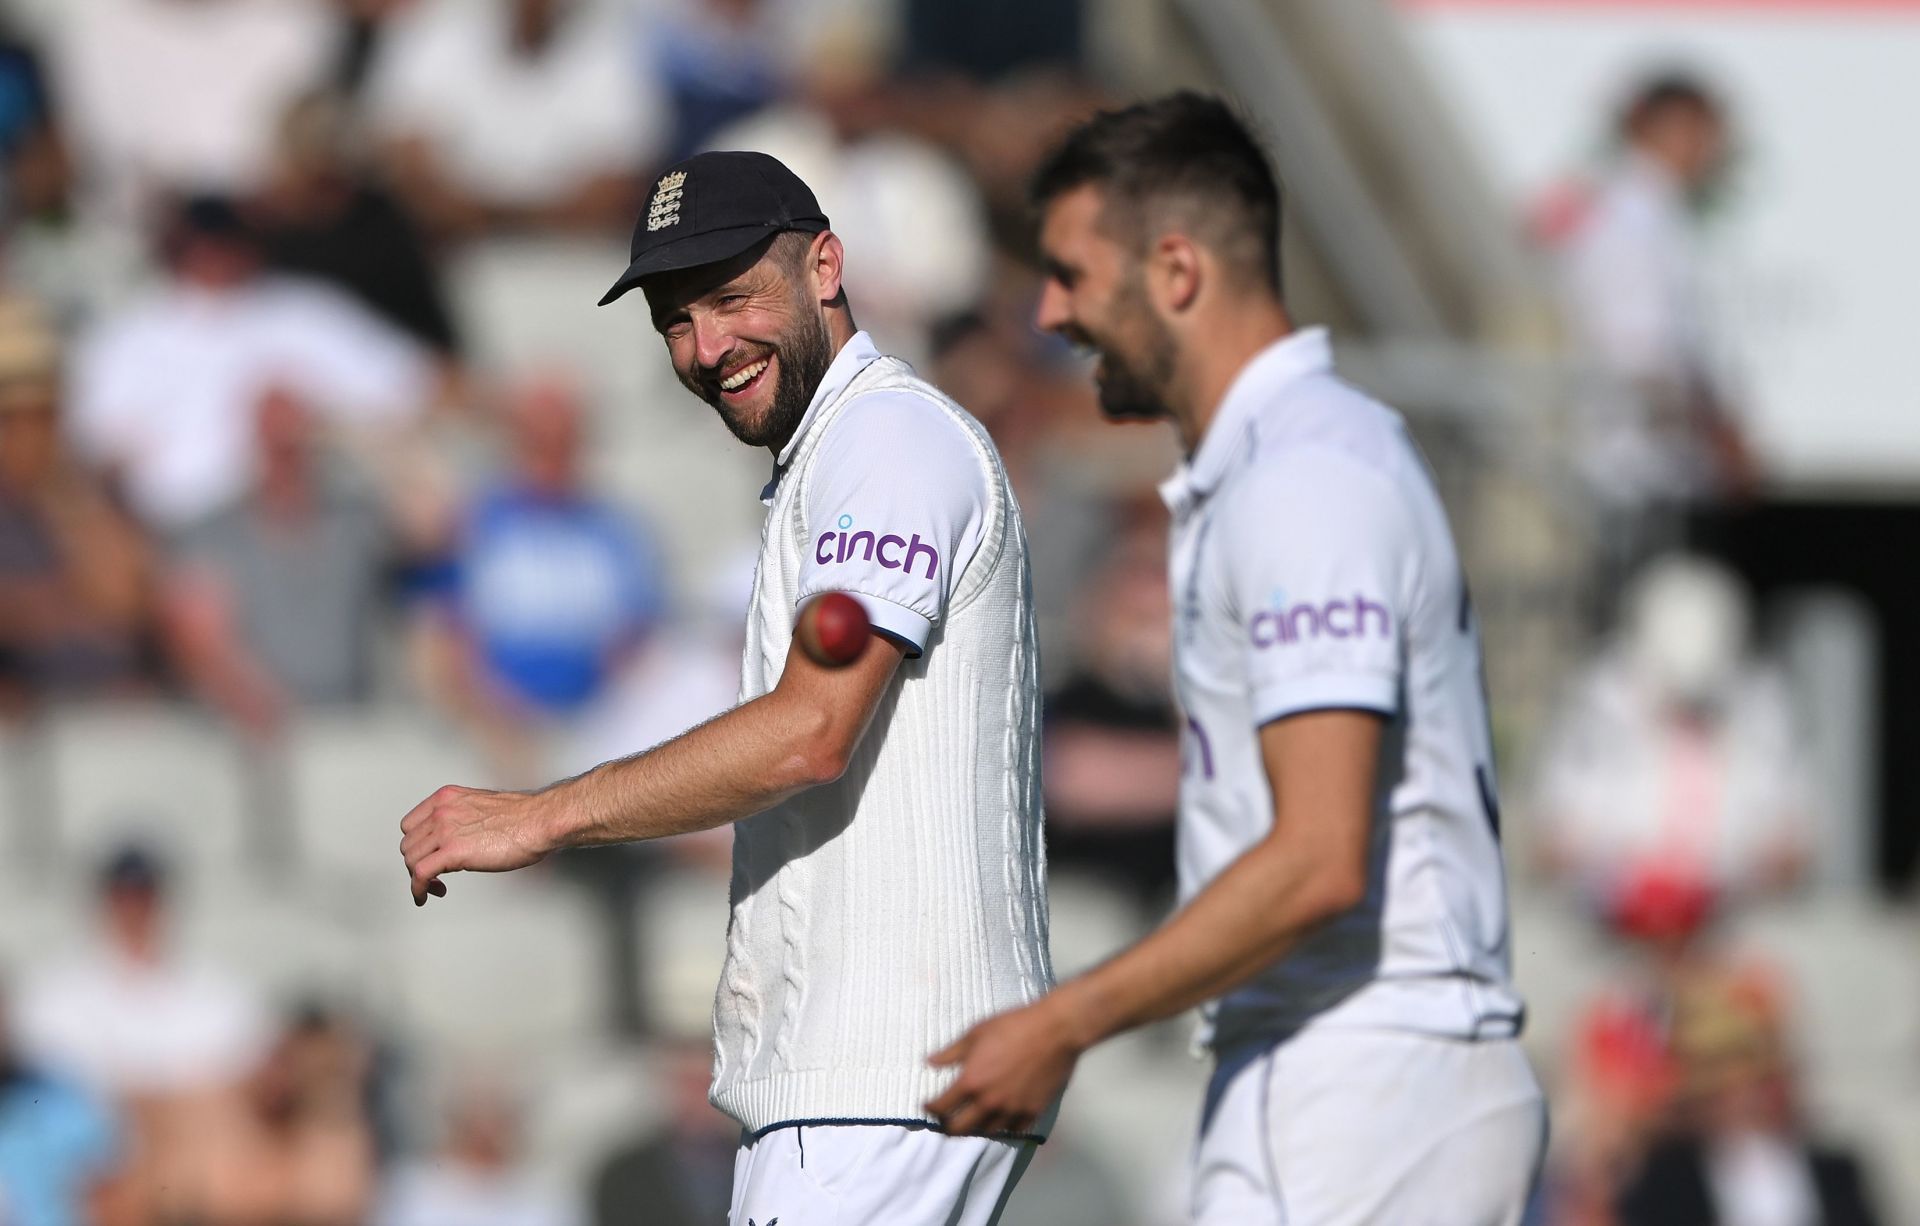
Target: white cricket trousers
(873, 1175)
(1344, 1127)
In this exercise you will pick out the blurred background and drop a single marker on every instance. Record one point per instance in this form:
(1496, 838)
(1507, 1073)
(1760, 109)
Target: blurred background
(323, 482)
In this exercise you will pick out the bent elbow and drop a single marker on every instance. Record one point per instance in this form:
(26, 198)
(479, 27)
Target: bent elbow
(818, 755)
(822, 764)
(1336, 892)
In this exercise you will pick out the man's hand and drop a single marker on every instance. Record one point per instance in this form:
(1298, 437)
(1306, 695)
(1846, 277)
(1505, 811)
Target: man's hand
(469, 829)
(1013, 1067)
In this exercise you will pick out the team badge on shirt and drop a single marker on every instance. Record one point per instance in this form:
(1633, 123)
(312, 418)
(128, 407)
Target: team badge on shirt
(665, 208)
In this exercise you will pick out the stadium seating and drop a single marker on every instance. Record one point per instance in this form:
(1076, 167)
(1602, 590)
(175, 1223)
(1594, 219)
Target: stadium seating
(353, 777)
(152, 773)
(503, 965)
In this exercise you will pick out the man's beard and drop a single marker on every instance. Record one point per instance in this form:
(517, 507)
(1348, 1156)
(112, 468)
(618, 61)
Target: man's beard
(805, 353)
(1124, 395)
(1131, 388)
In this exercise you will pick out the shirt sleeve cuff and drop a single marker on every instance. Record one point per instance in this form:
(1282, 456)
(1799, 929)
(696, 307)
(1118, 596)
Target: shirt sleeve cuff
(1321, 691)
(896, 621)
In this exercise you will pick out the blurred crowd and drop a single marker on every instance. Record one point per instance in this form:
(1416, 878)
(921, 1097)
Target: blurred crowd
(266, 452)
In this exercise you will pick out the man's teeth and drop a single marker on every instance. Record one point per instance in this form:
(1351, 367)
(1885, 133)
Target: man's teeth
(745, 375)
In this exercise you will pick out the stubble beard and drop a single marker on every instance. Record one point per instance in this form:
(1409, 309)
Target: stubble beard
(1135, 371)
(805, 352)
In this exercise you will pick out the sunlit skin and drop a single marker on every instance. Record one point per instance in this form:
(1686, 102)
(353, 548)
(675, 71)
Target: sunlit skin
(1168, 321)
(1196, 328)
(719, 320)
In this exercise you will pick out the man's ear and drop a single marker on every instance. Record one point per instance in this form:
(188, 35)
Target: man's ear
(826, 260)
(1175, 272)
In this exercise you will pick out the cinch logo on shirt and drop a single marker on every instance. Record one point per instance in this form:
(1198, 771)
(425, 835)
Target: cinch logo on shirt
(892, 552)
(1340, 619)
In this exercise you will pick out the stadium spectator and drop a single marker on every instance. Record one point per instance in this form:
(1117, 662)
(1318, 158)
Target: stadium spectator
(685, 672)
(75, 600)
(133, 1017)
(365, 24)
(74, 260)
(1067, 472)
(989, 39)
(1739, 1151)
(1707, 1131)
(1112, 767)
(165, 390)
(681, 1172)
(1634, 278)
(720, 61)
(516, 115)
(59, 1145)
(26, 113)
(275, 601)
(924, 245)
(1673, 780)
(294, 1144)
(479, 1176)
(321, 216)
(168, 96)
(550, 590)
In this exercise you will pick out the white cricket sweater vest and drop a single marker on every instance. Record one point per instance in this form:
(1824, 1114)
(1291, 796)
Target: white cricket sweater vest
(876, 918)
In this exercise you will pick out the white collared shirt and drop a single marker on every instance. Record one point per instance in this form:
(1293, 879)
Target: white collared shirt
(1312, 568)
(898, 501)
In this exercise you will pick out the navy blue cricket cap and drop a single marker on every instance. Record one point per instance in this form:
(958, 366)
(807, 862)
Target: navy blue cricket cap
(712, 207)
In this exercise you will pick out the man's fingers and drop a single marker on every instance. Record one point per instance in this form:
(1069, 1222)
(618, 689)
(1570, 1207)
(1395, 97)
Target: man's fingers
(967, 1121)
(426, 874)
(953, 1053)
(440, 860)
(418, 814)
(947, 1103)
(421, 811)
(419, 847)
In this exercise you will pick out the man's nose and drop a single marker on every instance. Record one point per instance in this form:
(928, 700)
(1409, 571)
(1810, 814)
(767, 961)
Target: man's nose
(711, 344)
(1052, 313)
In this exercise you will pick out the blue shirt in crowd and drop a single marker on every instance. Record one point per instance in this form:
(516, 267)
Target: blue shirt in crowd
(552, 589)
(55, 1143)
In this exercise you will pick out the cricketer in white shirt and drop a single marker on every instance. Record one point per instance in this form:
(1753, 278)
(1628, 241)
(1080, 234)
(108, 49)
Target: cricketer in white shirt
(889, 879)
(1312, 569)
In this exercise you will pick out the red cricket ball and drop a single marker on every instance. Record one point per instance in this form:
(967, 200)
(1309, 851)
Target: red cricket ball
(833, 629)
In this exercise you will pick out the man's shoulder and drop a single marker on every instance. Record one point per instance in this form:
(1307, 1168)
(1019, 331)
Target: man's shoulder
(1324, 414)
(1325, 434)
(909, 422)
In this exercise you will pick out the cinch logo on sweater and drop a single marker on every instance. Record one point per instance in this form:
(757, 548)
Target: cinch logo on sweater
(891, 551)
(1340, 619)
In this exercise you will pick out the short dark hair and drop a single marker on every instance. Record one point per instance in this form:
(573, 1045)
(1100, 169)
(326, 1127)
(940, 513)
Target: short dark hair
(1668, 89)
(1188, 152)
(790, 247)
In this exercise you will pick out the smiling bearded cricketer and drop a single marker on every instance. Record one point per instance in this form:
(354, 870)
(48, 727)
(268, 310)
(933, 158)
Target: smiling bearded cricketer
(1344, 913)
(889, 881)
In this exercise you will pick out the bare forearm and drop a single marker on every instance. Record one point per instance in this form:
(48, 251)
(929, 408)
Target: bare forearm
(1252, 914)
(733, 766)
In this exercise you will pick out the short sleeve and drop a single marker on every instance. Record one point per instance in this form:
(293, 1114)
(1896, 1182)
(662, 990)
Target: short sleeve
(896, 507)
(1318, 549)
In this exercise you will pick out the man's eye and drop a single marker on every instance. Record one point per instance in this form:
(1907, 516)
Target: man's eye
(732, 299)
